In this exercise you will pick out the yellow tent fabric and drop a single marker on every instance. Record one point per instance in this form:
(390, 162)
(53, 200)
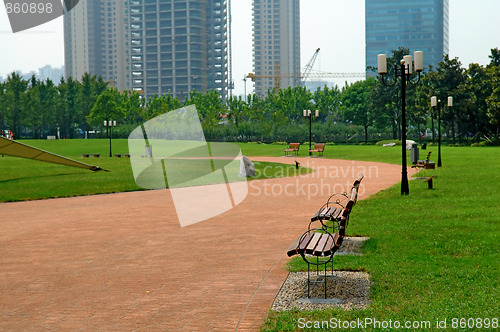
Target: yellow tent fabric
(17, 149)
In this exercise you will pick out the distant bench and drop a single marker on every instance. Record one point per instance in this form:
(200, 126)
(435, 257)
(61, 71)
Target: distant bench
(322, 242)
(319, 148)
(293, 147)
(95, 155)
(119, 155)
(425, 164)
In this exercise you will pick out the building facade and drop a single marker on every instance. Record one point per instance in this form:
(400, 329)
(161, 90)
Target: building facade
(151, 46)
(276, 44)
(178, 46)
(94, 41)
(419, 25)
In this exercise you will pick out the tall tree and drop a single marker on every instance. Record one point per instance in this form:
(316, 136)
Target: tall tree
(357, 104)
(16, 88)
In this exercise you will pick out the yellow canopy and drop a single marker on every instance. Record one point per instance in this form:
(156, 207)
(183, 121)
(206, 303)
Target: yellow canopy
(17, 149)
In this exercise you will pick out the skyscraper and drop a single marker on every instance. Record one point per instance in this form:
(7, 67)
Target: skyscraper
(419, 25)
(276, 44)
(178, 46)
(94, 41)
(152, 46)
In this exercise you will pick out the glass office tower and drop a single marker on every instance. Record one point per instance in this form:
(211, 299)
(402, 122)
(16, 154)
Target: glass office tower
(419, 25)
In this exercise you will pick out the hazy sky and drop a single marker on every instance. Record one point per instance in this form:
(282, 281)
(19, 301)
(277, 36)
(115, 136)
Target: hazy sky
(335, 26)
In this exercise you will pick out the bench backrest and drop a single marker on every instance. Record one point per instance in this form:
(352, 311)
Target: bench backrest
(428, 157)
(294, 146)
(339, 236)
(358, 181)
(319, 146)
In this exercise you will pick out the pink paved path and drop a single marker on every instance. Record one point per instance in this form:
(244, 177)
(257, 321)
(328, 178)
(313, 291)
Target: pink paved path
(121, 262)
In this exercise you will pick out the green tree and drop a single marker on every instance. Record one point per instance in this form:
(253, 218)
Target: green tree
(357, 104)
(32, 115)
(493, 101)
(15, 90)
(107, 107)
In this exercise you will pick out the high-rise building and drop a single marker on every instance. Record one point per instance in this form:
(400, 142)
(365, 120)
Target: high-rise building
(178, 46)
(152, 46)
(53, 74)
(276, 44)
(419, 25)
(94, 41)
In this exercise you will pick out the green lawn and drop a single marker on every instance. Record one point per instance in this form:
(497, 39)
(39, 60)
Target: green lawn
(24, 179)
(433, 255)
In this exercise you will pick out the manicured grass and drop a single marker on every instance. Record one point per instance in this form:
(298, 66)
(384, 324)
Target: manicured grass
(433, 255)
(391, 155)
(24, 179)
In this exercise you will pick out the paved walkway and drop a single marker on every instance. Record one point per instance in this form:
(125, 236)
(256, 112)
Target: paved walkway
(121, 262)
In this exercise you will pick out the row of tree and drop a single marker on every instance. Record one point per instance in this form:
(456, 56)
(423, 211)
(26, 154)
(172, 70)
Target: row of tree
(34, 109)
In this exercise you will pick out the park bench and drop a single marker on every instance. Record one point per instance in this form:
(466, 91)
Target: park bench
(317, 245)
(119, 155)
(95, 155)
(293, 147)
(319, 148)
(425, 164)
(332, 210)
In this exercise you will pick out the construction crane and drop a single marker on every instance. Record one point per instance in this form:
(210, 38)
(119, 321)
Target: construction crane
(301, 77)
(307, 69)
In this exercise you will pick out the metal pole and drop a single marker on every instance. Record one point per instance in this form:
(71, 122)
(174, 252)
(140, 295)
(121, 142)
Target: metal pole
(404, 173)
(310, 133)
(110, 134)
(439, 133)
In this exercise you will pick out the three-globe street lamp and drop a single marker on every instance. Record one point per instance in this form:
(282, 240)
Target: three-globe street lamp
(110, 124)
(403, 70)
(435, 102)
(309, 114)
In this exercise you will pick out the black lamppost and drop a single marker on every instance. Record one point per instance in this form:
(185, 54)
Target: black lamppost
(309, 114)
(195, 79)
(110, 124)
(403, 70)
(245, 82)
(435, 102)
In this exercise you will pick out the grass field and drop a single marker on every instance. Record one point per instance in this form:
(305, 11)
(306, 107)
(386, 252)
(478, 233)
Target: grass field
(24, 179)
(433, 255)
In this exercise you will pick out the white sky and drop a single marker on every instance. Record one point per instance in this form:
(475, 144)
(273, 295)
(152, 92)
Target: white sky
(335, 26)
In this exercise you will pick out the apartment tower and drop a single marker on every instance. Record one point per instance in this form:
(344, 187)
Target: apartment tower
(276, 44)
(152, 46)
(94, 41)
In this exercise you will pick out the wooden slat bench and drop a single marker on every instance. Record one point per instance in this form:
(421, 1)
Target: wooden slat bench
(425, 164)
(333, 208)
(321, 244)
(95, 155)
(319, 148)
(293, 147)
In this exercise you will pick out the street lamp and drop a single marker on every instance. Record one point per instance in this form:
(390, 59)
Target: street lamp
(435, 102)
(110, 124)
(309, 114)
(245, 82)
(195, 85)
(403, 70)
